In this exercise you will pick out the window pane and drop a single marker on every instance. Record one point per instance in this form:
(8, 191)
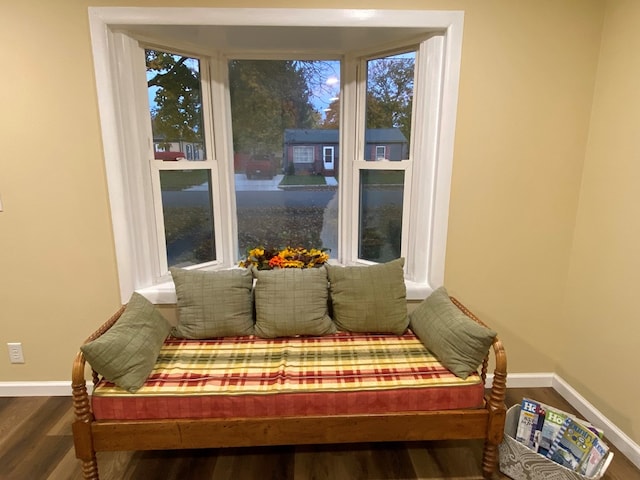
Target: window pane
(303, 154)
(188, 216)
(380, 223)
(284, 122)
(388, 109)
(175, 106)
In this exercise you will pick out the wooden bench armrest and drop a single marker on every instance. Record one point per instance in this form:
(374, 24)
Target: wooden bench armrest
(495, 400)
(81, 404)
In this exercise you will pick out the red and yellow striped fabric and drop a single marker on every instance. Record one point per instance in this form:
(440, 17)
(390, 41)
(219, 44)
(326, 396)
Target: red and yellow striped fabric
(344, 373)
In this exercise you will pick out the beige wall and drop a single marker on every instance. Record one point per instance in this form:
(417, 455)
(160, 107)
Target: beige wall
(527, 85)
(602, 296)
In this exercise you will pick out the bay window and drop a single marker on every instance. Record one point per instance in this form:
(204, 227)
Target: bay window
(216, 99)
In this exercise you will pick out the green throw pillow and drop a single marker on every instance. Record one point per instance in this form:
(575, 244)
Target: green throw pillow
(369, 299)
(213, 303)
(127, 352)
(457, 341)
(292, 301)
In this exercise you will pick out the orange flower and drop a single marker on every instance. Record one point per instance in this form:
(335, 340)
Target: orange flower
(276, 262)
(298, 257)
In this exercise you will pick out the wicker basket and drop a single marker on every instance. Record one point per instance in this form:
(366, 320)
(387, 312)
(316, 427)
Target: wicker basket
(521, 463)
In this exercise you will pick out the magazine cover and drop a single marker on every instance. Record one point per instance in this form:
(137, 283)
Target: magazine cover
(572, 444)
(553, 420)
(530, 423)
(597, 455)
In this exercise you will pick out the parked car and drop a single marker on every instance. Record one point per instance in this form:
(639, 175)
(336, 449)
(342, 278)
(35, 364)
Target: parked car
(260, 166)
(169, 156)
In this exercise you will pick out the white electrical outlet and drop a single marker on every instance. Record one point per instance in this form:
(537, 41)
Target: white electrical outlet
(15, 353)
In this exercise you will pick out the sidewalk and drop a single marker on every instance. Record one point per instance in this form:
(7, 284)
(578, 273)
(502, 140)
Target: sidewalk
(265, 185)
(331, 181)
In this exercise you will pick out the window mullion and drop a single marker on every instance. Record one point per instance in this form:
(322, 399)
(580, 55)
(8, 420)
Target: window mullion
(155, 166)
(359, 129)
(349, 140)
(226, 226)
(210, 74)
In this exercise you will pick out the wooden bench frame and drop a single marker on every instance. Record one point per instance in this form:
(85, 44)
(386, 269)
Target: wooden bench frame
(91, 435)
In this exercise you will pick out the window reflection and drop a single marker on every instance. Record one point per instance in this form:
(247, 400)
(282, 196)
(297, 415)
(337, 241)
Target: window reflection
(380, 219)
(188, 216)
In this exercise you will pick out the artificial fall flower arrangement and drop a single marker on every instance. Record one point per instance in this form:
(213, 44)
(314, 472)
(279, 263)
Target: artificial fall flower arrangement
(271, 258)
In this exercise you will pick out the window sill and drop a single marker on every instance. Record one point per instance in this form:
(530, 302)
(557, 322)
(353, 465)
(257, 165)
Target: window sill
(165, 293)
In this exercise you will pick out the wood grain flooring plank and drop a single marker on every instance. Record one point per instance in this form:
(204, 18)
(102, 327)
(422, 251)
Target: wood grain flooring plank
(358, 461)
(224, 466)
(344, 463)
(115, 465)
(161, 465)
(63, 425)
(393, 461)
(446, 459)
(16, 411)
(174, 464)
(310, 465)
(68, 468)
(274, 463)
(29, 441)
(42, 459)
(200, 464)
(328, 462)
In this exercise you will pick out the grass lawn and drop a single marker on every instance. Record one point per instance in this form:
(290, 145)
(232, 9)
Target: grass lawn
(177, 180)
(303, 180)
(383, 177)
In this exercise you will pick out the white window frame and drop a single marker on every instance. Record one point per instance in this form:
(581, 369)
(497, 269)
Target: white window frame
(382, 148)
(124, 136)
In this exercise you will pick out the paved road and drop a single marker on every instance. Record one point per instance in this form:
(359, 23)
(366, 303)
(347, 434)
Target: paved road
(289, 198)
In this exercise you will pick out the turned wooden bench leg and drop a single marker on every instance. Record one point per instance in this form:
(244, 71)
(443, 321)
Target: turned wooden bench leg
(495, 429)
(90, 469)
(489, 460)
(81, 427)
(84, 450)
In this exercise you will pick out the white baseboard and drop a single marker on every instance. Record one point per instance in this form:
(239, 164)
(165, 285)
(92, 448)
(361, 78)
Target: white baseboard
(614, 435)
(530, 380)
(35, 389)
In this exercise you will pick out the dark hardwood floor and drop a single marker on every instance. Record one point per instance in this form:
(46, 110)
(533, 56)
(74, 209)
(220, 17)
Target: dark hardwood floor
(36, 443)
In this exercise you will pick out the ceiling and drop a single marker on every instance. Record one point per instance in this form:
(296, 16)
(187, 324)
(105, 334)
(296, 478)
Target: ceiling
(278, 38)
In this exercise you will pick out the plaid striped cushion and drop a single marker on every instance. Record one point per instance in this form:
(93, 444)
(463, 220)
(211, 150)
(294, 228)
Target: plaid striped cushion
(249, 376)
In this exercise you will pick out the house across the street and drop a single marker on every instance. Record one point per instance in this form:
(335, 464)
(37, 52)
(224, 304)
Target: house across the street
(315, 151)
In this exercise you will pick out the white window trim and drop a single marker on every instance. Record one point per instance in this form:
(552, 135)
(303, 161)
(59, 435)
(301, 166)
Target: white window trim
(134, 270)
